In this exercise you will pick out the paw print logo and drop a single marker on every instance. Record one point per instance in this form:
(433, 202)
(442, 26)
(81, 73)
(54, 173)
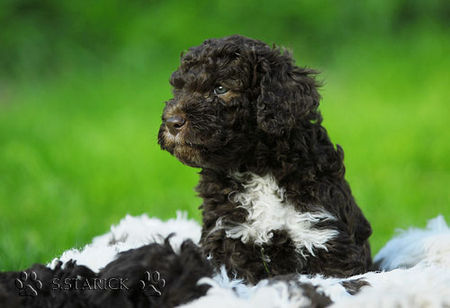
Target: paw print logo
(28, 284)
(152, 284)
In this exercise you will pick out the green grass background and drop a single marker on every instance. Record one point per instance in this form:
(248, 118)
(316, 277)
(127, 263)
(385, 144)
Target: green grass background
(82, 90)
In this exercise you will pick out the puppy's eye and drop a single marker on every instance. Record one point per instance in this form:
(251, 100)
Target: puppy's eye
(220, 90)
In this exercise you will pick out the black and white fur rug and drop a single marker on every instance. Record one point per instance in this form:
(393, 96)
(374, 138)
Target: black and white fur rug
(415, 269)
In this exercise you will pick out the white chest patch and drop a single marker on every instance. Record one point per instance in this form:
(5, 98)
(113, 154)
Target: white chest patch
(268, 210)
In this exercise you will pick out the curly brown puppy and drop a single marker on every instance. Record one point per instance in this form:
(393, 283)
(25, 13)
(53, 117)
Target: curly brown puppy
(275, 200)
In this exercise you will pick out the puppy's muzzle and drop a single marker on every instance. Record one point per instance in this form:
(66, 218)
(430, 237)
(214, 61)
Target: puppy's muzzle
(175, 124)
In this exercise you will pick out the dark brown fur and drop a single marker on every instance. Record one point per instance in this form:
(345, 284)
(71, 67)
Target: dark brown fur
(268, 123)
(180, 271)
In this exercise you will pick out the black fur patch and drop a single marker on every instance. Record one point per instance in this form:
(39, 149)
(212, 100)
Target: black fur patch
(354, 286)
(175, 284)
(317, 298)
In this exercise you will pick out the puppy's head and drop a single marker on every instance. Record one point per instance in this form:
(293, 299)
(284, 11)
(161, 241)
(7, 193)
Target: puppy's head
(229, 95)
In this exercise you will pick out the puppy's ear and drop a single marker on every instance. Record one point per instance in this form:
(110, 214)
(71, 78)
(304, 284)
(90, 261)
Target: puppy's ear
(288, 95)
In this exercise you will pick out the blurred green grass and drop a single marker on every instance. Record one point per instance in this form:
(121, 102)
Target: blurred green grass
(78, 146)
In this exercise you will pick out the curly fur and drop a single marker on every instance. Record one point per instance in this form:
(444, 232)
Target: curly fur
(180, 271)
(266, 125)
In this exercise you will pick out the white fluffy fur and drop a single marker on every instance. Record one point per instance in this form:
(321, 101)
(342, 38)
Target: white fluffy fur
(279, 294)
(419, 286)
(226, 292)
(430, 245)
(423, 280)
(132, 232)
(268, 210)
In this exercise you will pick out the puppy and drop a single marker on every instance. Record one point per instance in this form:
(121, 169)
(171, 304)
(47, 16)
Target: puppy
(275, 200)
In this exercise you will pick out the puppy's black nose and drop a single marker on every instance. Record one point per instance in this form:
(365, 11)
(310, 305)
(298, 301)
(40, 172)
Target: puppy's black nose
(174, 124)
